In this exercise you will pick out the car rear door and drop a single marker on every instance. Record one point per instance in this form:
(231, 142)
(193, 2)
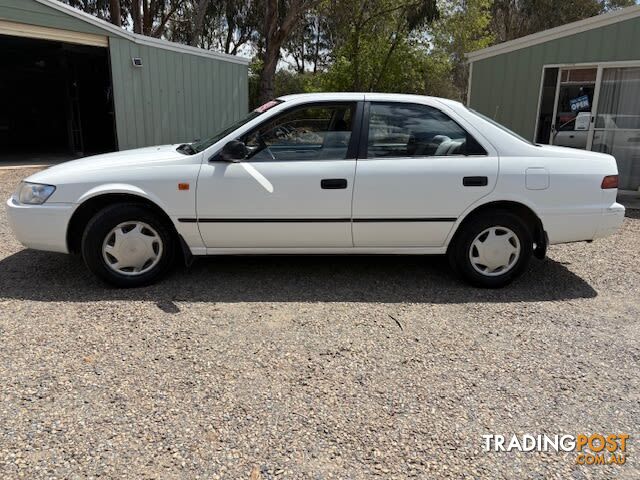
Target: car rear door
(295, 188)
(419, 168)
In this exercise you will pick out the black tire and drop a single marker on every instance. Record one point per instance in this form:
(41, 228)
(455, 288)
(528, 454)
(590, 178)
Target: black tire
(109, 218)
(459, 251)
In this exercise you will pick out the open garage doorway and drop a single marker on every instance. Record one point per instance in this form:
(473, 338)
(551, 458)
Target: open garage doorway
(57, 101)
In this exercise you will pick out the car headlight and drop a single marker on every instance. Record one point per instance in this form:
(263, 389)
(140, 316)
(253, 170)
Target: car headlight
(34, 193)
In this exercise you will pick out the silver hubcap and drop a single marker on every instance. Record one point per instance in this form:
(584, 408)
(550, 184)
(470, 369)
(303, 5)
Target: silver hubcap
(494, 251)
(132, 248)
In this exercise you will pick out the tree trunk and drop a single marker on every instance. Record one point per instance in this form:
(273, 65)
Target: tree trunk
(147, 18)
(227, 40)
(136, 16)
(374, 85)
(267, 76)
(158, 30)
(359, 26)
(196, 32)
(316, 53)
(302, 52)
(115, 13)
(356, 63)
(271, 51)
(274, 37)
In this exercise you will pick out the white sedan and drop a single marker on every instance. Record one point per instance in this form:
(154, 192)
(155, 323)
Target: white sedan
(338, 173)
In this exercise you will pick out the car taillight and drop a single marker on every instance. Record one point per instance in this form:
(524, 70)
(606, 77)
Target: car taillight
(610, 181)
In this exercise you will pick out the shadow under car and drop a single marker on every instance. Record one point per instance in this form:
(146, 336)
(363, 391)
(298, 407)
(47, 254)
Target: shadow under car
(44, 276)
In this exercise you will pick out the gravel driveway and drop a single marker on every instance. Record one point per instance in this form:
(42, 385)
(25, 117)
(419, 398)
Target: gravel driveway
(314, 368)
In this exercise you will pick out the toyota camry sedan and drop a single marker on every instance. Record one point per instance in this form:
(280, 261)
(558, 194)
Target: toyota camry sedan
(334, 173)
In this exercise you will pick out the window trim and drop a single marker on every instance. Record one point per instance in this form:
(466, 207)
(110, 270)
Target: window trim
(363, 152)
(356, 127)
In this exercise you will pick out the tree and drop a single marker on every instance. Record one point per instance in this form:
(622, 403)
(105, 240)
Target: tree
(233, 24)
(280, 18)
(151, 17)
(147, 17)
(377, 44)
(463, 27)
(109, 10)
(515, 18)
(224, 25)
(115, 12)
(307, 47)
(198, 24)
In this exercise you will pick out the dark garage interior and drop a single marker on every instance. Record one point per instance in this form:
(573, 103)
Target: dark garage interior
(57, 100)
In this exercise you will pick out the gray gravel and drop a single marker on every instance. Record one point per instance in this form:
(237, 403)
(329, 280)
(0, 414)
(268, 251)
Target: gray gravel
(314, 368)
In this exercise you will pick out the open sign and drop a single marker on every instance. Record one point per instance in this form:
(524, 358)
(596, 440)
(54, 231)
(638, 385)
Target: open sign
(579, 103)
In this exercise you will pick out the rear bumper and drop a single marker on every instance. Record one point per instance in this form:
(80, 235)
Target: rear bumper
(584, 226)
(42, 227)
(610, 221)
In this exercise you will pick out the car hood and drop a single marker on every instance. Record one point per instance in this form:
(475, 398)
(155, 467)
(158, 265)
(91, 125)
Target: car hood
(140, 157)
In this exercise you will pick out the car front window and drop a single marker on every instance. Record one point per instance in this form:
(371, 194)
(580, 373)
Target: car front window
(202, 145)
(309, 132)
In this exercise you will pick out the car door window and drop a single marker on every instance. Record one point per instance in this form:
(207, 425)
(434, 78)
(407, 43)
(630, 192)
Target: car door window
(411, 130)
(316, 132)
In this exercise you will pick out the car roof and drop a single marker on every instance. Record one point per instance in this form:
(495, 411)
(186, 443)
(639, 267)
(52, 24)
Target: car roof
(374, 96)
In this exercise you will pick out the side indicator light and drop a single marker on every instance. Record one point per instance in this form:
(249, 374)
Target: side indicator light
(610, 181)
(183, 186)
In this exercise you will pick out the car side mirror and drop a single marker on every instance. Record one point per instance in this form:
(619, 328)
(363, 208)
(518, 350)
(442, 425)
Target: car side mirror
(234, 151)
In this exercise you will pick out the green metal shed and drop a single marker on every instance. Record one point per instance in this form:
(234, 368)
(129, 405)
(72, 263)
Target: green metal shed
(76, 84)
(577, 85)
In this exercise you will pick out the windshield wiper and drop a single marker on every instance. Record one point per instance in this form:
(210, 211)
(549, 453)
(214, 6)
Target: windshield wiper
(187, 149)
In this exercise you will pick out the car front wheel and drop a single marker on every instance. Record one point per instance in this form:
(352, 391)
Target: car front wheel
(127, 245)
(492, 249)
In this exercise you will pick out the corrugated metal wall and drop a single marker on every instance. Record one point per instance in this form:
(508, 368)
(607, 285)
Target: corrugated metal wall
(506, 87)
(33, 13)
(173, 97)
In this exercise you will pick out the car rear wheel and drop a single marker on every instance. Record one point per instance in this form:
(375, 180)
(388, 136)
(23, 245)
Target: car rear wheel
(127, 245)
(492, 249)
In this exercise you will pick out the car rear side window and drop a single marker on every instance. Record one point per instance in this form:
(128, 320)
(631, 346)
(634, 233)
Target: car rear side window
(412, 130)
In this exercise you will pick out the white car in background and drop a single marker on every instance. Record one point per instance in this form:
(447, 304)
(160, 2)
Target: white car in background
(334, 173)
(617, 132)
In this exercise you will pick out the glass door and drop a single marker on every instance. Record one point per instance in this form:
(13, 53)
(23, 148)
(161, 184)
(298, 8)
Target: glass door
(617, 123)
(573, 106)
(546, 107)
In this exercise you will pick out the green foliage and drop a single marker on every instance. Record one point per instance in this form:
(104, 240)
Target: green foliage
(286, 82)
(463, 27)
(513, 19)
(393, 54)
(255, 67)
(376, 45)
(379, 67)
(385, 46)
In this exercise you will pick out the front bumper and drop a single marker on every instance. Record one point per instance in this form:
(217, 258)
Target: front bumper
(42, 227)
(610, 221)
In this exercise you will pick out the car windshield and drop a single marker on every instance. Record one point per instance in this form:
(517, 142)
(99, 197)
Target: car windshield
(201, 145)
(501, 127)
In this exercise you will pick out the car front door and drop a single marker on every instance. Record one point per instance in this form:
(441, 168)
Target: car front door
(294, 189)
(419, 172)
